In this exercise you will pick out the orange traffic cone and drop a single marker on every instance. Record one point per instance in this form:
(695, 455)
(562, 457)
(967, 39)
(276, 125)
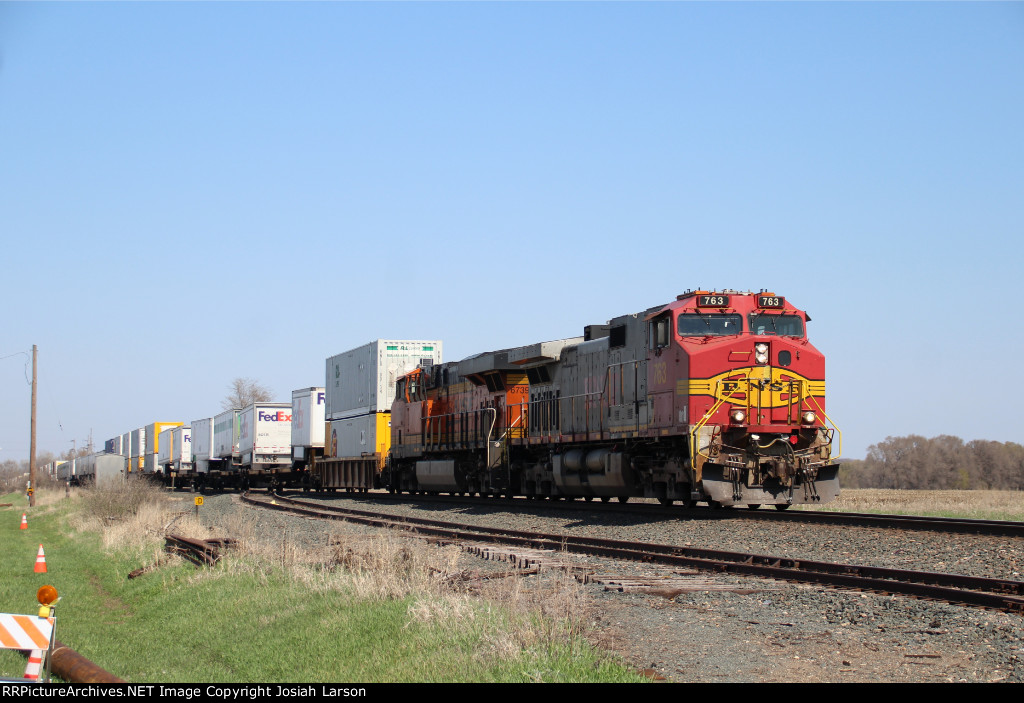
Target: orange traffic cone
(40, 561)
(35, 662)
(24, 522)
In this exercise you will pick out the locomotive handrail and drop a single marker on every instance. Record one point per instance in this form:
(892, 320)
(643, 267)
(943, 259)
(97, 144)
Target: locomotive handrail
(835, 427)
(695, 448)
(586, 410)
(433, 432)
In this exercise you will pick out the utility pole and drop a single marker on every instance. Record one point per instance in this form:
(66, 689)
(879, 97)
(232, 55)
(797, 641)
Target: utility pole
(32, 441)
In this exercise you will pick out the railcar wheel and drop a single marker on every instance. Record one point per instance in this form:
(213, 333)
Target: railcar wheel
(753, 506)
(665, 501)
(782, 506)
(623, 499)
(588, 498)
(605, 499)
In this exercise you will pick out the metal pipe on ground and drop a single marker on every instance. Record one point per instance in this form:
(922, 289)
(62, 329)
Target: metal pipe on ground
(74, 668)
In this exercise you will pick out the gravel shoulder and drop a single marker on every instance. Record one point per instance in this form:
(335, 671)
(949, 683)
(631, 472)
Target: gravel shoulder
(703, 627)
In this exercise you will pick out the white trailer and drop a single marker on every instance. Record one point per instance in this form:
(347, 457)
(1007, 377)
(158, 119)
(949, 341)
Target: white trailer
(226, 432)
(265, 438)
(174, 457)
(202, 444)
(153, 435)
(308, 406)
(136, 449)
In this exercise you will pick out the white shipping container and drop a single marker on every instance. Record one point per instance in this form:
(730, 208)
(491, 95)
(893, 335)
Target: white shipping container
(308, 413)
(265, 435)
(225, 434)
(202, 444)
(362, 380)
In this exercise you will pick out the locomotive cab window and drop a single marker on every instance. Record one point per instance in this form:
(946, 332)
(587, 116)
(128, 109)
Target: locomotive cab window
(709, 325)
(661, 332)
(777, 325)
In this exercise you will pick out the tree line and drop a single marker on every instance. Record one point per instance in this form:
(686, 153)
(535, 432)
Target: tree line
(939, 463)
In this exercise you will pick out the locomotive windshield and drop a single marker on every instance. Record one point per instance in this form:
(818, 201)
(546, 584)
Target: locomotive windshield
(709, 325)
(781, 325)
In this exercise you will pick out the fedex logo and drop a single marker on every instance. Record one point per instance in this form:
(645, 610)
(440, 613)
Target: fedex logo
(279, 416)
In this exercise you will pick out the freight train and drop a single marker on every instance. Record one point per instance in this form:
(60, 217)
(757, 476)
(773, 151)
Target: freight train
(716, 397)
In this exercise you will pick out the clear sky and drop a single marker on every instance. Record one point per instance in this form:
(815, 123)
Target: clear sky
(191, 192)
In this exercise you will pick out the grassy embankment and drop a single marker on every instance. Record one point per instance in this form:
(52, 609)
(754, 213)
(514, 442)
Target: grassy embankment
(978, 505)
(357, 609)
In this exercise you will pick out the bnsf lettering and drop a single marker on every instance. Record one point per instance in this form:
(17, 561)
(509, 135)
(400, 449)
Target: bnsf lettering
(279, 416)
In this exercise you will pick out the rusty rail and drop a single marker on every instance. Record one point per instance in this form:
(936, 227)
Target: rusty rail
(202, 552)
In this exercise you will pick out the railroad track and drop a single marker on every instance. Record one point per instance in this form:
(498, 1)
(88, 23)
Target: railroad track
(1001, 594)
(999, 528)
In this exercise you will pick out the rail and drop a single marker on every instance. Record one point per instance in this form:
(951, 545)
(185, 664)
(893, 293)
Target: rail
(1004, 594)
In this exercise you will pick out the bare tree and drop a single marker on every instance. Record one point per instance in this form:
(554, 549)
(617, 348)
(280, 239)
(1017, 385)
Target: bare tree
(243, 392)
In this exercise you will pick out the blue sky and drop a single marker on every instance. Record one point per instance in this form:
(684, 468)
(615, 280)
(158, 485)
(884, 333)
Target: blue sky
(191, 192)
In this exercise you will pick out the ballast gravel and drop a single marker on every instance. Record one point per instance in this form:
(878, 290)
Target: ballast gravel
(724, 628)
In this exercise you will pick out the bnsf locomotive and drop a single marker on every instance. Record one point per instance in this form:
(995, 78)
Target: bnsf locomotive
(715, 397)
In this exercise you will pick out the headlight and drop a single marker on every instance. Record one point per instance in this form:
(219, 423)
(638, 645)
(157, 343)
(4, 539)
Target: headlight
(808, 418)
(738, 416)
(761, 352)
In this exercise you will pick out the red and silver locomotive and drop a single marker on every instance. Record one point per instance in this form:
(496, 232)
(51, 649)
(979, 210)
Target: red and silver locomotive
(715, 397)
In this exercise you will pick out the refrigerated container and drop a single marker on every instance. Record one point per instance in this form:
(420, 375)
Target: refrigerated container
(362, 380)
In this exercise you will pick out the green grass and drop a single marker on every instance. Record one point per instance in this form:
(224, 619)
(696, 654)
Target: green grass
(255, 623)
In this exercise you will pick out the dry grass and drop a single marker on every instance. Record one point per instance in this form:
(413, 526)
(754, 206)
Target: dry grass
(134, 517)
(990, 505)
